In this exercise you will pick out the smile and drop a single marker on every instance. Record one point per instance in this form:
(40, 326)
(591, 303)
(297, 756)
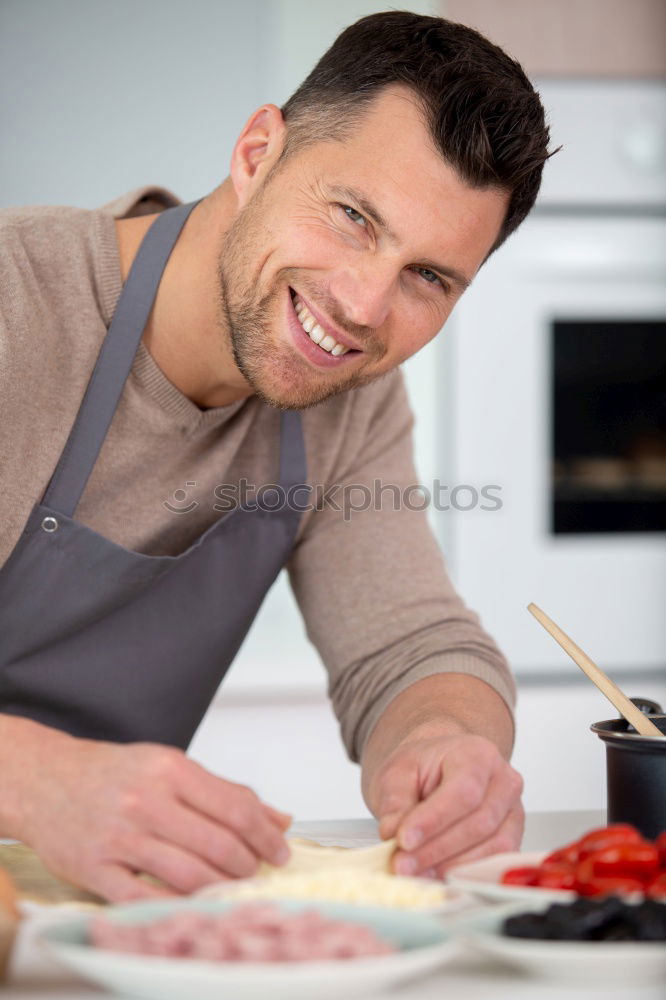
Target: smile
(315, 332)
(314, 338)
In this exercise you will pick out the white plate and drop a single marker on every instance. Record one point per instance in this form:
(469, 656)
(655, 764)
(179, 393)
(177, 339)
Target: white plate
(423, 942)
(590, 962)
(482, 878)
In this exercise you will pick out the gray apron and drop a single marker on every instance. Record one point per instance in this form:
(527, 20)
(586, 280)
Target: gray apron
(111, 644)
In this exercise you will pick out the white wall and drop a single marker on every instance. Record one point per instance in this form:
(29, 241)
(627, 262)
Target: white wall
(101, 97)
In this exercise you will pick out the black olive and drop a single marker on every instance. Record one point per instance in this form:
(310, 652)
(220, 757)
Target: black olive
(526, 925)
(607, 919)
(648, 920)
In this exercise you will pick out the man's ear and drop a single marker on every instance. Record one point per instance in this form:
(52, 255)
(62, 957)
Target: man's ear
(257, 149)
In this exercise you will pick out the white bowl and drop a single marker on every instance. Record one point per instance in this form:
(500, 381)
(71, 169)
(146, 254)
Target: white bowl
(422, 941)
(590, 962)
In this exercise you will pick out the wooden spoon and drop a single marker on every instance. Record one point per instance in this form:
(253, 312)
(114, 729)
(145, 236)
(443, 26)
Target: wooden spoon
(626, 708)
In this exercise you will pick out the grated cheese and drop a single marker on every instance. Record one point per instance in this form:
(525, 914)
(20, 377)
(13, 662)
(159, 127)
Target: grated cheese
(344, 885)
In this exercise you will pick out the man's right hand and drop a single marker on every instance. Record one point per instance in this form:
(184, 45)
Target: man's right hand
(99, 814)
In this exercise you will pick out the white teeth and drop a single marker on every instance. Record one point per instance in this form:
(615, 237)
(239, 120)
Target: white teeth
(315, 332)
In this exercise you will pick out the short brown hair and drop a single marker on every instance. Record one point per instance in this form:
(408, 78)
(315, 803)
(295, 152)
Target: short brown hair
(483, 113)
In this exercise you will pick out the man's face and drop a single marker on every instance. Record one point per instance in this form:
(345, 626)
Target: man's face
(364, 245)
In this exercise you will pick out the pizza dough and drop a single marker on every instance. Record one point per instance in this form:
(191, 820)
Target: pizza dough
(342, 874)
(309, 856)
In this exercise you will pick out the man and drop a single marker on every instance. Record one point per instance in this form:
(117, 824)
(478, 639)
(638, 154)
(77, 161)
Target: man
(248, 334)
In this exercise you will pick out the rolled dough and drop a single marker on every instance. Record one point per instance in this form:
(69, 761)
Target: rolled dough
(309, 856)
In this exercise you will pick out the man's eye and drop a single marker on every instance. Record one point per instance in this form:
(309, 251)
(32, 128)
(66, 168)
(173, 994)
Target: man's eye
(352, 214)
(428, 275)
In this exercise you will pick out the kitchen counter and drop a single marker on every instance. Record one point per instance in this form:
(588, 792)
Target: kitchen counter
(32, 976)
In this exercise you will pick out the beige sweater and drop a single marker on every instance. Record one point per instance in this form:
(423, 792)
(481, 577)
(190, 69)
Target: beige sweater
(372, 589)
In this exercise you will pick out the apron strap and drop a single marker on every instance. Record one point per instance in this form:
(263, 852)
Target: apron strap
(293, 461)
(115, 361)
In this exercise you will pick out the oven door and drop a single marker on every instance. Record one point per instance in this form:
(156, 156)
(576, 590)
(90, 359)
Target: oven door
(513, 409)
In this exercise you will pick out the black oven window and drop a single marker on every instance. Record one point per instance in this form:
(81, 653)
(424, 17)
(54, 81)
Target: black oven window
(608, 399)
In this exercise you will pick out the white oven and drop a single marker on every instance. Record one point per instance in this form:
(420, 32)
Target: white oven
(553, 389)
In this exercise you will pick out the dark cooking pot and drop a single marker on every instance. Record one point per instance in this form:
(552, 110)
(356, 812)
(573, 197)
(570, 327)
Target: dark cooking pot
(635, 772)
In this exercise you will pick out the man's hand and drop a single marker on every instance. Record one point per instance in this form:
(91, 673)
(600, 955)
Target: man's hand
(448, 798)
(99, 814)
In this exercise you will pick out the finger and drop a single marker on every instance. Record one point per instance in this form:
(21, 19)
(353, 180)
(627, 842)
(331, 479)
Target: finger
(507, 838)
(388, 825)
(215, 845)
(117, 884)
(461, 790)
(175, 866)
(282, 819)
(398, 794)
(501, 795)
(236, 808)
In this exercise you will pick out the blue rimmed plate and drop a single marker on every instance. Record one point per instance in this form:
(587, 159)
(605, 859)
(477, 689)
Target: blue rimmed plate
(421, 941)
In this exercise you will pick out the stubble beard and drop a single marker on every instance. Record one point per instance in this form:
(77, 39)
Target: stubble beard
(273, 370)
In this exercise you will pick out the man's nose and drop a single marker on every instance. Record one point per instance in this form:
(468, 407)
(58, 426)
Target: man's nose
(365, 293)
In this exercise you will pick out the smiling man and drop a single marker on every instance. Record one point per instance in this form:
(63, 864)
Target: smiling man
(255, 335)
(370, 252)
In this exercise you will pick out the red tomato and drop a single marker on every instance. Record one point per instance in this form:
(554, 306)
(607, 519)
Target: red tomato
(611, 886)
(557, 877)
(608, 836)
(656, 888)
(520, 876)
(567, 854)
(584, 873)
(641, 860)
(611, 859)
(588, 883)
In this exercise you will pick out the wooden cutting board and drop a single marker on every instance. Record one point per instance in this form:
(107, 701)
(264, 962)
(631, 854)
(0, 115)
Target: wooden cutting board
(34, 881)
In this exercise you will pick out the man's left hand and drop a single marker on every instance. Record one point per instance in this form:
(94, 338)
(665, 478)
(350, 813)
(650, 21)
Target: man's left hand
(448, 799)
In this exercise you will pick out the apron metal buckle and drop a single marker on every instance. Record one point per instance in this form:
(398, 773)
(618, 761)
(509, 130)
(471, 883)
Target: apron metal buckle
(50, 524)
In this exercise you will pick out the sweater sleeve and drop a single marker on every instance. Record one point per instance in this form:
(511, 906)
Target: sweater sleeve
(371, 584)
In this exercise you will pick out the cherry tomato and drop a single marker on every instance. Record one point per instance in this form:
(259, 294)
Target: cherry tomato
(584, 873)
(618, 885)
(612, 886)
(567, 854)
(557, 877)
(608, 836)
(588, 883)
(641, 860)
(656, 887)
(611, 859)
(520, 876)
